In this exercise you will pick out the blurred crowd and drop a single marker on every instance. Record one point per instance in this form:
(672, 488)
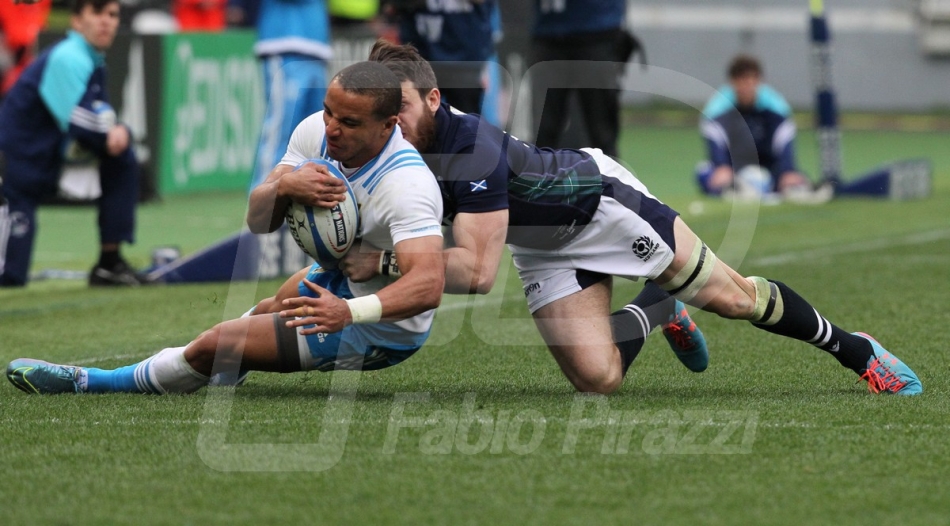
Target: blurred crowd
(458, 36)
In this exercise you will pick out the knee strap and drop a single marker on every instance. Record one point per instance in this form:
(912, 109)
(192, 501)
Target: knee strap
(694, 275)
(769, 306)
(288, 347)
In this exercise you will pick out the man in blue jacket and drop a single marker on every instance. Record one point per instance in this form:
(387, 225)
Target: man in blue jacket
(748, 108)
(59, 107)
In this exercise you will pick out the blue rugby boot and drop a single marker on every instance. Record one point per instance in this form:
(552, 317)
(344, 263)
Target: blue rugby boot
(686, 339)
(886, 373)
(39, 377)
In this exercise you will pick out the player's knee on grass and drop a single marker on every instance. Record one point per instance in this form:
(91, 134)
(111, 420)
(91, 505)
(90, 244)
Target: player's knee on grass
(604, 384)
(596, 378)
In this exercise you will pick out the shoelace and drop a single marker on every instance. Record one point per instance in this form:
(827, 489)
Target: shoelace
(680, 335)
(878, 383)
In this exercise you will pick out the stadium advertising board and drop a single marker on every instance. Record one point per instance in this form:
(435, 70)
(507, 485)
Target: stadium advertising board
(212, 105)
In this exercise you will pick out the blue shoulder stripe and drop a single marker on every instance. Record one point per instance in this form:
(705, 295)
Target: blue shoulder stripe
(767, 98)
(379, 178)
(65, 78)
(369, 166)
(723, 101)
(400, 156)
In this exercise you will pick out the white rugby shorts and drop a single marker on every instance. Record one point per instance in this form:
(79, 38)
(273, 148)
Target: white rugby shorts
(630, 236)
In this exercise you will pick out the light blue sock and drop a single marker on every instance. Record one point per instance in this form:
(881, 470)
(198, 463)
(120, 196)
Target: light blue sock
(128, 379)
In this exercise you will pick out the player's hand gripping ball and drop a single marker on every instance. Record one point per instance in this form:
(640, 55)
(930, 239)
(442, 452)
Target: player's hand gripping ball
(325, 234)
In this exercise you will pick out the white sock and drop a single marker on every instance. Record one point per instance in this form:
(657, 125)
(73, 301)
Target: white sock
(169, 372)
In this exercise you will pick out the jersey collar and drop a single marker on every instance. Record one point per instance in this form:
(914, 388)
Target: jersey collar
(372, 162)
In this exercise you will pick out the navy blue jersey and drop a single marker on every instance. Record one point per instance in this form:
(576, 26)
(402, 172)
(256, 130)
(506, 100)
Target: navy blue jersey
(458, 30)
(60, 95)
(559, 18)
(550, 194)
(769, 121)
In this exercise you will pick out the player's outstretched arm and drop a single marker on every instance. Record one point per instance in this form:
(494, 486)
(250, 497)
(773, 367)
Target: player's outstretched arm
(309, 184)
(472, 264)
(423, 278)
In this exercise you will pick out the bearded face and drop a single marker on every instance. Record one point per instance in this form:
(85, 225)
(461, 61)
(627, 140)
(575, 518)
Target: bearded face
(417, 116)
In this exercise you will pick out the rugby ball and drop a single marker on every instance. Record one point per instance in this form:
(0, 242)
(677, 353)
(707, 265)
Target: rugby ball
(325, 234)
(754, 180)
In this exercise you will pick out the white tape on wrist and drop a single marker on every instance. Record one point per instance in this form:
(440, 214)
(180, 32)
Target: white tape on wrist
(365, 309)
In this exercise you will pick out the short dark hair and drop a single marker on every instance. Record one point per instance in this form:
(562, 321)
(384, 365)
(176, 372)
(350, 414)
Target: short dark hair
(97, 5)
(374, 80)
(744, 65)
(406, 62)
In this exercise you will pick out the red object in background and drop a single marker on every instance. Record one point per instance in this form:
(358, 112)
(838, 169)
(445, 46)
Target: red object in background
(21, 25)
(200, 15)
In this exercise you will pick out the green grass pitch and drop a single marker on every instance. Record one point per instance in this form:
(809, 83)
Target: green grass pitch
(480, 427)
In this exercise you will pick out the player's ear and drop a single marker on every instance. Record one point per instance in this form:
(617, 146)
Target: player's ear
(390, 123)
(433, 99)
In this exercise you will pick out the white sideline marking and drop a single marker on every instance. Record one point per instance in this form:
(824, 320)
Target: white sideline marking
(863, 246)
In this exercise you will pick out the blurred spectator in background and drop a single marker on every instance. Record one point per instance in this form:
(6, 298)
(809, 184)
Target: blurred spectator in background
(243, 13)
(200, 15)
(20, 24)
(59, 107)
(456, 37)
(587, 31)
(747, 106)
(348, 12)
(293, 41)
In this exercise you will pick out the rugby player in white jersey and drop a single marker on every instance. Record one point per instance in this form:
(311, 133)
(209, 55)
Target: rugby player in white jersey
(370, 325)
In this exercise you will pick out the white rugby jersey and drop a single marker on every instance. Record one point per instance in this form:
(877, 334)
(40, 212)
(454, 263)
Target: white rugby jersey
(397, 195)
